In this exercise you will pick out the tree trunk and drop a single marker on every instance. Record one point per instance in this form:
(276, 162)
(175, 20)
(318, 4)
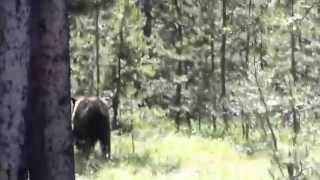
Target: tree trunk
(51, 156)
(213, 77)
(178, 97)
(147, 8)
(14, 63)
(116, 98)
(245, 125)
(180, 65)
(223, 51)
(248, 34)
(199, 121)
(223, 64)
(295, 115)
(296, 122)
(293, 43)
(267, 111)
(97, 39)
(214, 122)
(212, 54)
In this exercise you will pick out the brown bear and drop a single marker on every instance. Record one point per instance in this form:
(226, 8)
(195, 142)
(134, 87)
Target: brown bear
(91, 124)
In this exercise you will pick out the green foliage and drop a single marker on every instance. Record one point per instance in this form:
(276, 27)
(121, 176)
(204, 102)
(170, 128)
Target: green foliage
(184, 50)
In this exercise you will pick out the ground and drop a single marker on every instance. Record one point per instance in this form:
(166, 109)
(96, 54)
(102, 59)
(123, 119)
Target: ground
(160, 153)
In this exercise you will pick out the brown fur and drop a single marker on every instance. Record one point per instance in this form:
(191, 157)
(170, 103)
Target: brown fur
(91, 124)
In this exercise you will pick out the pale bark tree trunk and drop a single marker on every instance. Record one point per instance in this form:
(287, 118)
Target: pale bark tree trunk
(248, 34)
(14, 61)
(51, 148)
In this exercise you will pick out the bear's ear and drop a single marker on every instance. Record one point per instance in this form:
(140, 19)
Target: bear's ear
(73, 100)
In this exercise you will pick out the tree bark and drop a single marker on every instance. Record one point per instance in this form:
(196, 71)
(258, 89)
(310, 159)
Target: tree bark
(296, 122)
(178, 97)
(212, 53)
(115, 97)
(223, 50)
(14, 64)
(51, 147)
(97, 41)
(223, 64)
(213, 76)
(248, 34)
(292, 43)
(267, 111)
(180, 64)
(117, 76)
(147, 8)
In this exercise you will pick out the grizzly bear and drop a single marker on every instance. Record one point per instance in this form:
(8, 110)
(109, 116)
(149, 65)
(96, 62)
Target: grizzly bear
(91, 124)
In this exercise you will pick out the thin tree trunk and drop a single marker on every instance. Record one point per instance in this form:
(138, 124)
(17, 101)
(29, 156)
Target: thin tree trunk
(293, 44)
(267, 112)
(245, 124)
(214, 117)
(178, 97)
(188, 118)
(147, 8)
(223, 50)
(92, 74)
(14, 64)
(116, 99)
(212, 53)
(296, 123)
(248, 34)
(213, 80)
(223, 64)
(132, 136)
(296, 120)
(180, 65)
(262, 62)
(97, 39)
(199, 121)
(214, 122)
(51, 147)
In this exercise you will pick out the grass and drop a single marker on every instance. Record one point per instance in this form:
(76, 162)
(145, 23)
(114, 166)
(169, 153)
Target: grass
(162, 154)
(176, 156)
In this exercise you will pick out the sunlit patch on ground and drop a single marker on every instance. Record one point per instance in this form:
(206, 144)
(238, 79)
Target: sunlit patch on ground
(176, 156)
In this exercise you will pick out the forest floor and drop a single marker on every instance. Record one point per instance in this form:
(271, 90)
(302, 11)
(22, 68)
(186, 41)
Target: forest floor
(160, 153)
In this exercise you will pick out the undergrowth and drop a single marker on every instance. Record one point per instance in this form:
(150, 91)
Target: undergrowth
(160, 152)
